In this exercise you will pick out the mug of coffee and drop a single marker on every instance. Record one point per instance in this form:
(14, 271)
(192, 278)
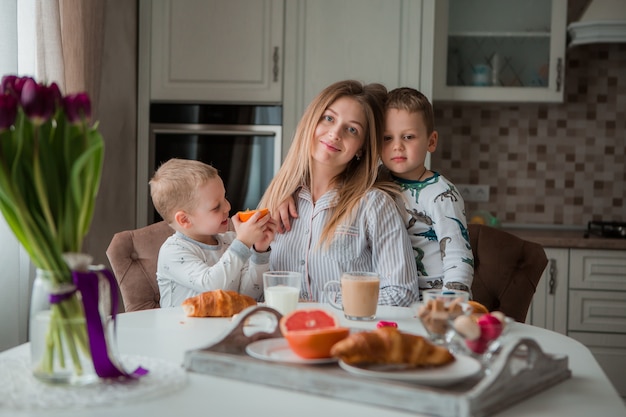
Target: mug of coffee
(359, 295)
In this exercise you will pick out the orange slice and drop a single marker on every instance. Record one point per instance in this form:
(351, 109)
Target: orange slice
(478, 308)
(244, 216)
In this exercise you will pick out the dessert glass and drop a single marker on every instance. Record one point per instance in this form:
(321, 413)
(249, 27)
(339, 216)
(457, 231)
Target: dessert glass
(437, 310)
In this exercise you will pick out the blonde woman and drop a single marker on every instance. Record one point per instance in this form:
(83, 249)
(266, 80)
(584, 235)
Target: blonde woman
(343, 222)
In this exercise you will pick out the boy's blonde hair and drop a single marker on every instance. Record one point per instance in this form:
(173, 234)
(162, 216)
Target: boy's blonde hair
(358, 177)
(173, 186)
(411, 100)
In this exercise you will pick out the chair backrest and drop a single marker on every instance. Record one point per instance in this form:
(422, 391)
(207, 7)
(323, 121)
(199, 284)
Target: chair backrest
(506, 270)
(133, 257)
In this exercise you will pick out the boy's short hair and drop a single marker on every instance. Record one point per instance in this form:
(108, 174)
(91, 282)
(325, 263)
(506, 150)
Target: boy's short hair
(411, 100)
(174, 184)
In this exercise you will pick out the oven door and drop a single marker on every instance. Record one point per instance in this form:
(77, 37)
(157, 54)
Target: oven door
(246, 156)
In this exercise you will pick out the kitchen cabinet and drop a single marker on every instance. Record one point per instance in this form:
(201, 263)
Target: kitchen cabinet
(499, 50)
(583, 294)
(386, 41)
(216, 50)
(549, 306)
(597, 312)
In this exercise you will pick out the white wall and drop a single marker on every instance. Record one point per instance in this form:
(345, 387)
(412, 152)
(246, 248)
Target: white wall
(16, 276)
(16, 272)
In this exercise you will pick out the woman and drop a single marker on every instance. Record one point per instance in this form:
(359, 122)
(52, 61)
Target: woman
(343, 222)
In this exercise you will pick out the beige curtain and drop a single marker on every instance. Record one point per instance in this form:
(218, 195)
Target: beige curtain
(70, 39)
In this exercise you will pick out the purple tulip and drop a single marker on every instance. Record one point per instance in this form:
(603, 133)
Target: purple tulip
(7, 84)
(12, 84)
(39, 101)
(8, 111)
(77, 107)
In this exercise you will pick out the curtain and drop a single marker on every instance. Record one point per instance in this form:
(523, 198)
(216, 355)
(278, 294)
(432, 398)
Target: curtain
(70, 39)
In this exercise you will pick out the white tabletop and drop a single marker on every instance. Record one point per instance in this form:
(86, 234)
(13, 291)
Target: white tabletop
(167, 334)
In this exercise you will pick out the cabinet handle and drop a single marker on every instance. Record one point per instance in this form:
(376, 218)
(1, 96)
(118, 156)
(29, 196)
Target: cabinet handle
(552, 277)
(276, 58)
(559, 73)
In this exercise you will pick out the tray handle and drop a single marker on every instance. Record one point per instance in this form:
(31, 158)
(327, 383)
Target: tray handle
(234, 340)
(519, 371)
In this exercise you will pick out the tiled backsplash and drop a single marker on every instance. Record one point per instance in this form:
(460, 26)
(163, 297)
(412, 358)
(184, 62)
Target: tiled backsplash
(549, 164)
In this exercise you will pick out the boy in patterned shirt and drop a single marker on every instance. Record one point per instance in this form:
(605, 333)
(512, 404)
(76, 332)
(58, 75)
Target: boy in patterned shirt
(434, 208)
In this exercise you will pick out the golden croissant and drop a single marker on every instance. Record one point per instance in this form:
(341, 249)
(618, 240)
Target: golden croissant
(387, 345)
(217, 303)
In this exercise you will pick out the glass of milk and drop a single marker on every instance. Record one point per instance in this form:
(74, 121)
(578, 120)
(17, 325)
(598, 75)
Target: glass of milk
(282, 290)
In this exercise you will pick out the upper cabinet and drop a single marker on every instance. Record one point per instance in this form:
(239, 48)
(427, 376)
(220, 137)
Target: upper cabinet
(500, 50)
(216, 50)
(365, 40)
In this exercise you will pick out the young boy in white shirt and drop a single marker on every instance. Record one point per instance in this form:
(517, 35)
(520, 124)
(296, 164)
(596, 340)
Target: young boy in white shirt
(203, 255)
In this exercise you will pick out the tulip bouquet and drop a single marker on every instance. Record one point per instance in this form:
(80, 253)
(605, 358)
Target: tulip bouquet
(50, 168)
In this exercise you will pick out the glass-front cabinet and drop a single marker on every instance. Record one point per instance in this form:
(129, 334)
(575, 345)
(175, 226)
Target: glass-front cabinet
(500, 50)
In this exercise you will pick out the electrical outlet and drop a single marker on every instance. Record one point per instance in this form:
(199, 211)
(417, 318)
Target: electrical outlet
(474, 192)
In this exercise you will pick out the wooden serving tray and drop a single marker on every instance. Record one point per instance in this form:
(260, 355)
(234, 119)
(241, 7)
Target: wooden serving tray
(519, 371)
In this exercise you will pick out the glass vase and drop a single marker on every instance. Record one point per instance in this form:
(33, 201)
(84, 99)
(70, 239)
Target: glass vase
(58, 333)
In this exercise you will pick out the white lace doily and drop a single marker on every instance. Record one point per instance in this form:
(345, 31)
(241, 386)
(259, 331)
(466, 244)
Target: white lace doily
(19, 389)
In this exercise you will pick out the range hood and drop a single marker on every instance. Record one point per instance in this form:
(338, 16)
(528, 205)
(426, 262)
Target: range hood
(602, 21)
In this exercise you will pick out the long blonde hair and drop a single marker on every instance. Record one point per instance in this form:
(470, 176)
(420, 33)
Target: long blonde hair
(360, 174)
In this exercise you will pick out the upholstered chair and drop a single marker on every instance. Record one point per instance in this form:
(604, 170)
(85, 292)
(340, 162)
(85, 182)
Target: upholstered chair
(507, 270)
(133, 257)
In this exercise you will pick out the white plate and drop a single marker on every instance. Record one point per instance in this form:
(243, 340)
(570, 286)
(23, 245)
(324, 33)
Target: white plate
(277, 350)
(462, 368)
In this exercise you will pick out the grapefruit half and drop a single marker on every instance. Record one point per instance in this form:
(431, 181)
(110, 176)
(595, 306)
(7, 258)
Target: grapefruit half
(311, 333)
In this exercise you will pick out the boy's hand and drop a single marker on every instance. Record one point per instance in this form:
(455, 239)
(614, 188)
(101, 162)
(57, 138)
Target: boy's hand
(254, 229)
(263, 244)
(282, 218)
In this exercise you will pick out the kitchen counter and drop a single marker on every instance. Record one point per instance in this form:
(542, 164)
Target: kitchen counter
(565, 238)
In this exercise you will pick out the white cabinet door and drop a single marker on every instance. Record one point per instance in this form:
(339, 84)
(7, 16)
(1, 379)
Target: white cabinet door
(500, 50)
(549, 306)
(366, 40)
(610, 352)
(216, 50)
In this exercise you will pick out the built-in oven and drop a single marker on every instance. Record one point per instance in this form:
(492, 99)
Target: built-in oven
(243, 142)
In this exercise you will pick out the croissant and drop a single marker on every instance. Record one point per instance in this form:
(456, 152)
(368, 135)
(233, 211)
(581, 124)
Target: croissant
(387, 345)
(217, 303)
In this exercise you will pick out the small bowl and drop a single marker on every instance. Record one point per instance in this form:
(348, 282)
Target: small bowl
(490, 335)
(438, 309)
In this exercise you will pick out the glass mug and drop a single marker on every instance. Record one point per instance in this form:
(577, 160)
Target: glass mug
(359, 295)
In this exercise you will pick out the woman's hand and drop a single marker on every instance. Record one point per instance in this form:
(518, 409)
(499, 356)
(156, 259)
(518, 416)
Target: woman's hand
(283, 215)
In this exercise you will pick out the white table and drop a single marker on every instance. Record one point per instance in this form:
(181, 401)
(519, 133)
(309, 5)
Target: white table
(168, 334)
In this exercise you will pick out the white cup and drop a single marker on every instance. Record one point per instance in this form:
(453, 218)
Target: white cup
(282, 290)
(359, 295)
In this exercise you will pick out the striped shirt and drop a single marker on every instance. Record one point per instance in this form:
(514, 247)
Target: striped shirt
(375, 241)
(186, 268)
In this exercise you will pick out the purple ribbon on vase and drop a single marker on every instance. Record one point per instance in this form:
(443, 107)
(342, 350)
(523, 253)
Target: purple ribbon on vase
(87, 282)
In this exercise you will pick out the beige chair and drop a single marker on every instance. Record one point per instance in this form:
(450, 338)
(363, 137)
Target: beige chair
(507, 270)
(133, 257)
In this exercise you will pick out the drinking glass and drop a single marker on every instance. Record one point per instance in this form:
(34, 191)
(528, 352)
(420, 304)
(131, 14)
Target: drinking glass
(282, 290)
(359, 294)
